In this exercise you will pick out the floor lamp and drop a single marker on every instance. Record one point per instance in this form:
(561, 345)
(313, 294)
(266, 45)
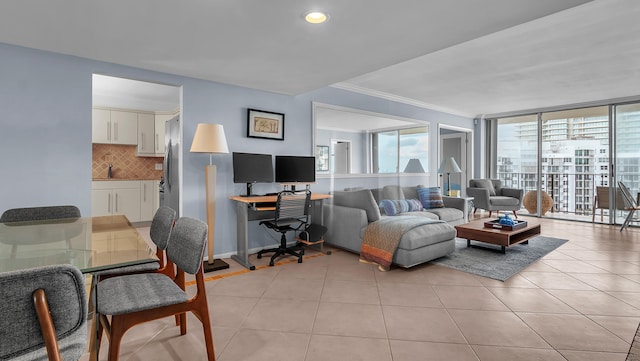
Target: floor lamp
(209, 138)
(449, 166)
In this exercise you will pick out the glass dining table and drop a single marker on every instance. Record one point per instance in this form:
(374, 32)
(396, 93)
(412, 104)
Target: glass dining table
(92, 244)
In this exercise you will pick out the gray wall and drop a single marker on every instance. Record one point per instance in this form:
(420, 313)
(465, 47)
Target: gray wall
(45, 134)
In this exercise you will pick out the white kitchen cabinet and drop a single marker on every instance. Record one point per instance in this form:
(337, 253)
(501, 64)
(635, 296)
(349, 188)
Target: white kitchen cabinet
(146, 134)
(125, 127)
(100, 126)
(114, 126)
(148, 199)
(161, 119)
(116, 197)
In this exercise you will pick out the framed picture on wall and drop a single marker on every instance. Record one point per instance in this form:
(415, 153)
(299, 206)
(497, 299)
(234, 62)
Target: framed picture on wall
(264, 124)
(322, 158)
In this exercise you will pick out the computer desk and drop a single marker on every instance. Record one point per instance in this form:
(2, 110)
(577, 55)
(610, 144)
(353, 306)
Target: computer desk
(257, 208)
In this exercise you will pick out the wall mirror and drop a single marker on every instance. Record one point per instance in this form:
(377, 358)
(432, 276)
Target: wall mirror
(361, 142)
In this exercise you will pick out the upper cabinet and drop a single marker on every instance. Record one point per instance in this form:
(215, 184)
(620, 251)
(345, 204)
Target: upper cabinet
(146, 134)
(114, 126)
(143, 129)
(161, 120)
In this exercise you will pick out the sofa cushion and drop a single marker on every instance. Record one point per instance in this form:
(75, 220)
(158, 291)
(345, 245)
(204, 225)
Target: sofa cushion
(362, 199)
(483, 183)
(411, 192)
(447, 214)
(504, 201)
(427, 235)
(397, 206)
(424, 214)
(377, 195)
(430, 197)
(392, 192)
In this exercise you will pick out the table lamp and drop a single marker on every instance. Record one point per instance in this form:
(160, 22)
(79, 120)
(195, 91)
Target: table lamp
(449, 166)
(209, 138)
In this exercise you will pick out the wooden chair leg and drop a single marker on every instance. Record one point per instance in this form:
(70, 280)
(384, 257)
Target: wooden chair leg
(515, 214)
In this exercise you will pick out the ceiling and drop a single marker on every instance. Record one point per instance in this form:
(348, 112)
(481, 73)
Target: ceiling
(466, 57)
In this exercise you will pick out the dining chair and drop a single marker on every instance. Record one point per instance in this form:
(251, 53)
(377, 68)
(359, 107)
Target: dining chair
(292, 214)
(39, 213)
(601, 202)
(630, 204)
(43, 314)
(159, 232)
(133, 299)
(43, 213)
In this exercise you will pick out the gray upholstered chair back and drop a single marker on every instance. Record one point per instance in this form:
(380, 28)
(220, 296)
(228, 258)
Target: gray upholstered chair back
(161, 226)
(39, 213)
(20, 335)
(186, 246)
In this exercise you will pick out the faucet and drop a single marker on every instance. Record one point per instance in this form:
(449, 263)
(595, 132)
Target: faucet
(109, 172)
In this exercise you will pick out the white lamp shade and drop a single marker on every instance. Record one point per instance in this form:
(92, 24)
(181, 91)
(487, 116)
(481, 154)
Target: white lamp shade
(449, 165)
(209, 138)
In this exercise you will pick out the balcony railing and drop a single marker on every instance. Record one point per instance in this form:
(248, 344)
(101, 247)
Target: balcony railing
(573, 194)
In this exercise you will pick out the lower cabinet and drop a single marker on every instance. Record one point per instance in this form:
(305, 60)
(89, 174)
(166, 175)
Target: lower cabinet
(148, 203)
(135, 199)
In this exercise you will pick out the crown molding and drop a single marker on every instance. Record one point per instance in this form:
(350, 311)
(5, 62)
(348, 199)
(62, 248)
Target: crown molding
(399, 99)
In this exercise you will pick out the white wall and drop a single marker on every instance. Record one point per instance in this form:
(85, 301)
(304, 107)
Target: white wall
(45, 133)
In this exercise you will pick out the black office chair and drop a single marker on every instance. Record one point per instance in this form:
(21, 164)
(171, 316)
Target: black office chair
(292, 214)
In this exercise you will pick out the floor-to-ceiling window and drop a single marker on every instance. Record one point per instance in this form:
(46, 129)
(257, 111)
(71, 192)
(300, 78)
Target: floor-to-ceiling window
(627, 150)
(517, 152)
(574, 151)
(575, 159)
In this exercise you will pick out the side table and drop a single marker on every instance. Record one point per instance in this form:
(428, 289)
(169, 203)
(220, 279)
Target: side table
(469, 206)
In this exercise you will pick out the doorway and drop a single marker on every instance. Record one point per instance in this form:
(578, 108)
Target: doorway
(455, 143)
(341, 156)
(128, 142)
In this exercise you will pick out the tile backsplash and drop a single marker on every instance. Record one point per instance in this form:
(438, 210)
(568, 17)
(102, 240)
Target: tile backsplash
(125, 163)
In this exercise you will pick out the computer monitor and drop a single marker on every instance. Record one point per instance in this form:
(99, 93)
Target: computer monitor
(252, 168)
(295, 169)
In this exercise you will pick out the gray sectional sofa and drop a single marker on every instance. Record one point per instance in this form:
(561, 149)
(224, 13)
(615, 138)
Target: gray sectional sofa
(350, 212)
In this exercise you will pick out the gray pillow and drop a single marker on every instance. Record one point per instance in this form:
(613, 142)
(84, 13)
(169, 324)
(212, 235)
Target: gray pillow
(362, 199)
(486, 184)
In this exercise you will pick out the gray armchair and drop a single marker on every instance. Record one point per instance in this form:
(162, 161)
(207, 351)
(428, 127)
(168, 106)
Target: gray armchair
(489, 194)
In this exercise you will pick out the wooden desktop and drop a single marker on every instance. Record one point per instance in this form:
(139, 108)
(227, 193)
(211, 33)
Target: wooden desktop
(256, 208)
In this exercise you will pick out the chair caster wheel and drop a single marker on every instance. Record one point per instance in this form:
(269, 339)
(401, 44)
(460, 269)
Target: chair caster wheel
(299, 260)
(271, 263)
(259, 256)
(302, 252)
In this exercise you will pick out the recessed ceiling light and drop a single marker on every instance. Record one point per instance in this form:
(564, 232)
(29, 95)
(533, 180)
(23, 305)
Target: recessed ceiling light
(316, 17)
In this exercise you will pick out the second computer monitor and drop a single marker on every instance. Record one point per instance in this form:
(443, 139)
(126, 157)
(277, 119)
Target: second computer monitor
(295, 169)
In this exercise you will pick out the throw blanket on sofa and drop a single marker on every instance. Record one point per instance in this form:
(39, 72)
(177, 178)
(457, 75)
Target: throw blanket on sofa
(381, 238)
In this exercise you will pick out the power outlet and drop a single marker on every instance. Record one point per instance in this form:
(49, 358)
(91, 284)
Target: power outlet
(158, 166)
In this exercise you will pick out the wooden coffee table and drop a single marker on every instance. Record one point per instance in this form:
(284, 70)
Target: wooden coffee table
(476, 231)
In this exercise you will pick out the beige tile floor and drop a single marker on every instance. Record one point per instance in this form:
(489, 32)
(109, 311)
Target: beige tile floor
(580, 302)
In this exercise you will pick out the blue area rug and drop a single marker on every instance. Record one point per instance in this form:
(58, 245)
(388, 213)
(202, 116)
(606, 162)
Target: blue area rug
(492, 264)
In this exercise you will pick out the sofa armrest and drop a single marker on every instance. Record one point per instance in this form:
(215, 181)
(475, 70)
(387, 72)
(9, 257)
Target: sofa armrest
(458, 203)
(455, 202)
(480, 197)
(345, 226)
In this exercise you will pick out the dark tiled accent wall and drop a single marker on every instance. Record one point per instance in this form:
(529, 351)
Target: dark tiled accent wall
(126, 165)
